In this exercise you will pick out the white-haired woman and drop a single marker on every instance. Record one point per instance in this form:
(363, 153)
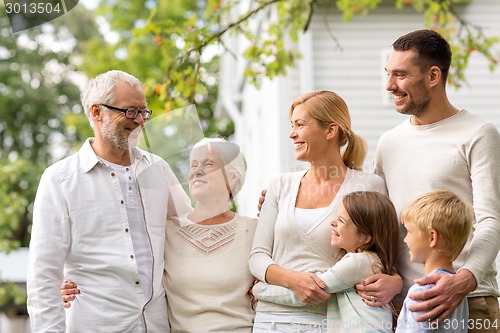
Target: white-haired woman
(207, 277)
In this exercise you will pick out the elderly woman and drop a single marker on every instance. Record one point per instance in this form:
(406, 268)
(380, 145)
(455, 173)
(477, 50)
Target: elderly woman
(207, 278)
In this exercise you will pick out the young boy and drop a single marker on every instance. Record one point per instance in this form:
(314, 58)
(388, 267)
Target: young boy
(438, 224)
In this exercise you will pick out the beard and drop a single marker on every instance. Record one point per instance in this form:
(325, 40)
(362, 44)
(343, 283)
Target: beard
(419, 102)
(112, 133)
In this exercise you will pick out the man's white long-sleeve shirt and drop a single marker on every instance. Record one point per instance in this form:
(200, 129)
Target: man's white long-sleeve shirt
(81, 231)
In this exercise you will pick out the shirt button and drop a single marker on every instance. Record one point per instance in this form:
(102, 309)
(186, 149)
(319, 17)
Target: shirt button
(112, 174)
(121, 201)
(130, 188)
(131, 256)
(126, 229)
(129, 178)
(137, 282)
(127, 169)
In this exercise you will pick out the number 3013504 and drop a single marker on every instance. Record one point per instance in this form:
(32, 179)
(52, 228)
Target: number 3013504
(453, 324)
(32, 8)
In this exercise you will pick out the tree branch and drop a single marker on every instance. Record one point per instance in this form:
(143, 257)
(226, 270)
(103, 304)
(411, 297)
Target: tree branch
(218, 35)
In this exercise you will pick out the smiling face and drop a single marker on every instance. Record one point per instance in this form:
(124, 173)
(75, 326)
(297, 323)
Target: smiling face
(407, 82)
(309, 138)
(117, 130)
(345, 234)
(207, 177)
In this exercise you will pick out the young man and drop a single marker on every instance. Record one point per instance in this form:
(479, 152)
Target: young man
(438, 224)
(99, 219)
(442, 147)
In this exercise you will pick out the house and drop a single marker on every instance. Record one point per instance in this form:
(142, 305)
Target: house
(351, 65)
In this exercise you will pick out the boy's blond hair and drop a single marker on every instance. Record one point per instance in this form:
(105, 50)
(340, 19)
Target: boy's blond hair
(444, 212)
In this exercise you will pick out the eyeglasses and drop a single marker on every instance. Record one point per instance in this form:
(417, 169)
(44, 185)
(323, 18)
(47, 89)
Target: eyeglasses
(131, 113)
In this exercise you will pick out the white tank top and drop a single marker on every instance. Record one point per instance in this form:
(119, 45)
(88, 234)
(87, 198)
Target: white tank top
(307, 216)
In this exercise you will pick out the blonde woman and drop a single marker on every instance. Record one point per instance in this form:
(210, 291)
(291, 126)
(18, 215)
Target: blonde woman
(292, 240)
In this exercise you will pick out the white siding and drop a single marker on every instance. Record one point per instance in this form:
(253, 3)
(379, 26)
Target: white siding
(356, 70)
(265, 142)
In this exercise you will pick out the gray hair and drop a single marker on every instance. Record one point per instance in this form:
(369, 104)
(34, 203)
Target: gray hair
(101, 89)
(231, 157)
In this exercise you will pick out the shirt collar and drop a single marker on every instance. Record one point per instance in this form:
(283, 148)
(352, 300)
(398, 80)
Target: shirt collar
(90, 160)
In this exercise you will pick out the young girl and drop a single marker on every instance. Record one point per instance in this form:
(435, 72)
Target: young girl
(366, 231)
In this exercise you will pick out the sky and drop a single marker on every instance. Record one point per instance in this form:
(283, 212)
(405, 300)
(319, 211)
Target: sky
(90, 4)
(103, 25)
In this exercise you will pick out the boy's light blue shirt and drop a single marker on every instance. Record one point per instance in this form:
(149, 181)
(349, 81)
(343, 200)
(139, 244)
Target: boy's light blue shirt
(456, 322)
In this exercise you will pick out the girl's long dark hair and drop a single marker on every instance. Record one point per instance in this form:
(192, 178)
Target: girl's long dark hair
(374, 215)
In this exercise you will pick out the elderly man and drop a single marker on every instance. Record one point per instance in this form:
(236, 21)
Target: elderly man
(99, 219)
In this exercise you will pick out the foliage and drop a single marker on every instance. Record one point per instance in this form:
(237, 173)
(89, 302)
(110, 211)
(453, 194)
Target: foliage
(149, 58)
(37, 94)
(33, 93)
(12, 299)
(18, 181)
(271, 23)
(170, 84)
(17, 185)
